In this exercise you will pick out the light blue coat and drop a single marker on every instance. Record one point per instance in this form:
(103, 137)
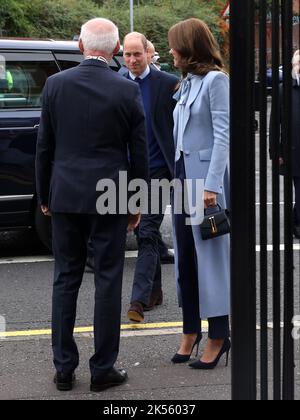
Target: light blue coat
(206, 156)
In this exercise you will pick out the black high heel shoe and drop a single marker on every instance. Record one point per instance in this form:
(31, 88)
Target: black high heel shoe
(202, 365)
(182, 358)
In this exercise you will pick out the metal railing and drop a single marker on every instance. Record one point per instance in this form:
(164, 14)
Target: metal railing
(262, 287)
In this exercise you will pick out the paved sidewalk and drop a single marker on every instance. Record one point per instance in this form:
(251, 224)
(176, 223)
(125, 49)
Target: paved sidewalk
(26, 362)
(27, 372)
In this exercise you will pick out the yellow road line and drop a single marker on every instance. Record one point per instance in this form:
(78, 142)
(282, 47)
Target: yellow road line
(151, 326)
(78, 330)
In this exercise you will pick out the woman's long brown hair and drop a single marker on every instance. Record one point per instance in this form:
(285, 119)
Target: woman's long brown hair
(197, 47)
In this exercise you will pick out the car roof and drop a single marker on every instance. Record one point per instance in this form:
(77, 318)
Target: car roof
(40, 45)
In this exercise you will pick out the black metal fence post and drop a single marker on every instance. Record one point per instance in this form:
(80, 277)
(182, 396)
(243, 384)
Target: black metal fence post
(288, 348)
(251, 172)
(243, 201)
(263, 200)
(275, 128)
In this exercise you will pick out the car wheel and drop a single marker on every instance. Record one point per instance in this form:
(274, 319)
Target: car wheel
(43, 228)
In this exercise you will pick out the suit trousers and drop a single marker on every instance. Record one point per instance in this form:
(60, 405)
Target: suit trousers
(188, 275)
(70, 235)
(162, 247)
(147, 276)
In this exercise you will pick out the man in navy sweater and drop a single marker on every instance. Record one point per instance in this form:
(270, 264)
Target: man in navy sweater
(157, 90)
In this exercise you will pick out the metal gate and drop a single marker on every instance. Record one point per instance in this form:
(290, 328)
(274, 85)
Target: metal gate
(265, 261)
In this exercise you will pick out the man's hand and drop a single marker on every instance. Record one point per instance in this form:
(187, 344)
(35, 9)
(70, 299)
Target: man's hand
(133, 221)
(45, 211)
(210, 199)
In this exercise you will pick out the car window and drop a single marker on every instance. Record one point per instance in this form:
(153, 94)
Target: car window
(22, 78)
(120, 60)
(66, 60)
(113, 64)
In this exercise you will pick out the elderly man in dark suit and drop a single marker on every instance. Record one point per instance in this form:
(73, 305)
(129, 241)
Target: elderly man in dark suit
(91, 117)
(157, 90)
(295, 166)
(296, 139)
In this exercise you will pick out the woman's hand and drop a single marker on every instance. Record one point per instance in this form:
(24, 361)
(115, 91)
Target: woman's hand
(210, 199)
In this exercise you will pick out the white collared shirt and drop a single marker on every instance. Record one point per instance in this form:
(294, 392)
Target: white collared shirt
(96, 57)
(141, 76)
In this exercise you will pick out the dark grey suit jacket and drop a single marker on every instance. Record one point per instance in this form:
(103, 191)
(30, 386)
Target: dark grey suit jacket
(91, 117)
(295, 131)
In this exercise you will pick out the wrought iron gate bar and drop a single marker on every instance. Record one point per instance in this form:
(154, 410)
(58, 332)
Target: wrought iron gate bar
(263, 201)
(275, 134)
(288, 348)
(243, 257)
(249, 158)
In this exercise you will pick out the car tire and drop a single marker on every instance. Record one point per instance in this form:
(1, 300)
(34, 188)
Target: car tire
(43, 228)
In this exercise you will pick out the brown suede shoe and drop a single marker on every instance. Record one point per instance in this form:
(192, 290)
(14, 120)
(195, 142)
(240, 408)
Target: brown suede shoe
(136, 312)
(156, 299)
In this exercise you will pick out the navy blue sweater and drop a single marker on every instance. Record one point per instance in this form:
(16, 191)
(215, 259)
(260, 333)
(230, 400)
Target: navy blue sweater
(156, 158)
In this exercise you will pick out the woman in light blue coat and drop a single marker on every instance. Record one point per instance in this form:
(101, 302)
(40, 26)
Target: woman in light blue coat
(201, 133)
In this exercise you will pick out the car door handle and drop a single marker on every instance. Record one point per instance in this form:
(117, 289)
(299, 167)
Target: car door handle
(20, 128)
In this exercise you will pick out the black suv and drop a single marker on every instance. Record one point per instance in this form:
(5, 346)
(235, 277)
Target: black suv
(24, 68)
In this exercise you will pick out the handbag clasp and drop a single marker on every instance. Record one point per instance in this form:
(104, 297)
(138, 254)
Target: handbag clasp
(213, 225)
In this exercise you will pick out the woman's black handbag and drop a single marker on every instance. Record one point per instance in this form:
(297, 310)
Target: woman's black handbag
(215, 223)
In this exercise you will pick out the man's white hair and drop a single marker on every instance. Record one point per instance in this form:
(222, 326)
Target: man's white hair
(99, 34)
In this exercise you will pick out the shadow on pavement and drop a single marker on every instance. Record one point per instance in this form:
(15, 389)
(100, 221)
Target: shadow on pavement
(21, 243)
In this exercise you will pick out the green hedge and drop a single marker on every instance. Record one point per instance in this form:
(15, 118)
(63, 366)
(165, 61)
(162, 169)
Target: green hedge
(45, 18)
(62, 19)
(154, 18)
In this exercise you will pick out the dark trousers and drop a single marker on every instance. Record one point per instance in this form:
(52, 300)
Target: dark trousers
(162, 247)
(297, 201)
(188, 276)
(147, 276)
(108, 236)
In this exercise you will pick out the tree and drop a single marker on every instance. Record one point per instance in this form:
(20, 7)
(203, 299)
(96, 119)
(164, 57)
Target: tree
(63, 18)
(12, 17)
(45, 18)
(155, 17)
